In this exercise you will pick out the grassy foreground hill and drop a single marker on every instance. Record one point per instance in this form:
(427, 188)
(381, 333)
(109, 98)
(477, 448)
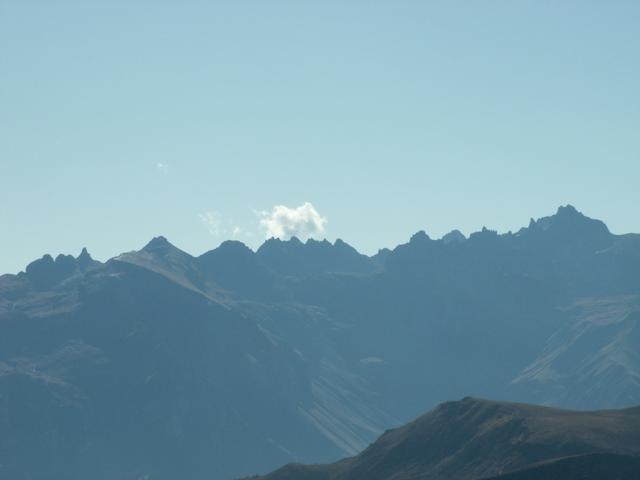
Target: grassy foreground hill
(595, 466)
(477, 439)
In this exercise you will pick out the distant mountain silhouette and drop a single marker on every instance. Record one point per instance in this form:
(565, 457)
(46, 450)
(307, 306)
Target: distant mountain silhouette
(474, 439)
(236, 268)
(170, 365)
(47, 272)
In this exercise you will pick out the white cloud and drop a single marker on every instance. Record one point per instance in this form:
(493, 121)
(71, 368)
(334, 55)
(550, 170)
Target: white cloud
(220, 226)
(284, 222)
(162, 167)
(213, 222)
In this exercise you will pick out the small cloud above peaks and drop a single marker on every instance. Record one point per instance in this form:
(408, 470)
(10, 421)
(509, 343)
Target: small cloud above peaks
(212, 222)
(219, 225)
(285, 222)
(162, 167)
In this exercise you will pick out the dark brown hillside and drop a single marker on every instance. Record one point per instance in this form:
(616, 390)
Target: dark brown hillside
(595, 466)
(473, 439)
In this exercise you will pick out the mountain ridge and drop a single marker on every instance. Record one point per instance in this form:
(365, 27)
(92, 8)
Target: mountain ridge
(566, 217)
(594, 466)
(308, 355)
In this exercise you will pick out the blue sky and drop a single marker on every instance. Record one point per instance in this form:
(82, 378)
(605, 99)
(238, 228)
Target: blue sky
(120, 120)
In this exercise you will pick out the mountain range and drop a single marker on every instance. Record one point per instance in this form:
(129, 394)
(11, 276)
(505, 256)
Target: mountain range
(157, 364)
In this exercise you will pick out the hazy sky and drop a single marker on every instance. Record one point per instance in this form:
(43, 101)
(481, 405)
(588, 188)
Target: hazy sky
(122, 120)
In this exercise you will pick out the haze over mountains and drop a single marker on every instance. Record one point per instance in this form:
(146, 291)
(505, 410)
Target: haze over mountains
(157, 364)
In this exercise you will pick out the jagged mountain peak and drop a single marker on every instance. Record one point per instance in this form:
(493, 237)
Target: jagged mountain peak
(44, 260)
(295, 242)
(419, 237)
(292, 257)
(85, 257)
(229, 252)
(159, 249)
(568, 210)
(568, 219)
(454, 237)
(46, 272)
(157, 243)
(233, 246)
(85, 261)
(313, 241)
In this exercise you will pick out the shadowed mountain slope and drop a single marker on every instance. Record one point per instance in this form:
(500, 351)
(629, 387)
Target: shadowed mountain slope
(596, 466)
(474, 439)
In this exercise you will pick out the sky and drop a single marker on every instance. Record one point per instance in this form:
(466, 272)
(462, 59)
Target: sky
(363, 120)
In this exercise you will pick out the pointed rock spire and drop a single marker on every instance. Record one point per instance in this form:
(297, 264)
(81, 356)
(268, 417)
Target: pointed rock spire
(84, 259)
